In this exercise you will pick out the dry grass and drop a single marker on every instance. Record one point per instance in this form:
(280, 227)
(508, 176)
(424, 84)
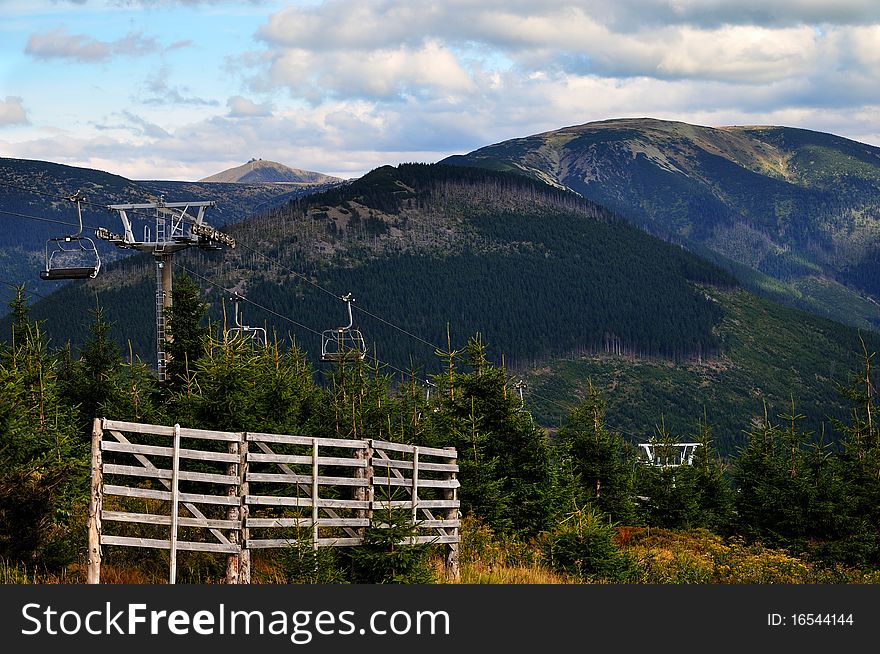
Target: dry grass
(661, 557)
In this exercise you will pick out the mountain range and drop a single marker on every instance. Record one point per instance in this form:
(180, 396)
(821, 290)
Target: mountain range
(642, 256)
(793, 213)
(562, 289)
(32, 200)
(264, 171)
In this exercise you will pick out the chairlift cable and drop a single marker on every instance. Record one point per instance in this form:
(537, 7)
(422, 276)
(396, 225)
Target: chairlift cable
(249, 301)
(282, 316)
(45, 220)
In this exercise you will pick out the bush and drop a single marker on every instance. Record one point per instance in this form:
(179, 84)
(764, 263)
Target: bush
(385, 558)
(583, 546)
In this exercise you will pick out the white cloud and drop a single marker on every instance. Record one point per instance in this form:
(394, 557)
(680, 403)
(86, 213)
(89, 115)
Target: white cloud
(59, 44)
(345, 85)
(160, 92)
(12, 111)
(387, 73)
(241, 107)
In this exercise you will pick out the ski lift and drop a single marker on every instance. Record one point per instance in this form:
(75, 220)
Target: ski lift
(343, 343)
(74, 256)
(519, 386)
(257, 335)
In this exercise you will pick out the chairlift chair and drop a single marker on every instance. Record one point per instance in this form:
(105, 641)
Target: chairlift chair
(257, 335)
(73, 256)
(343, 343)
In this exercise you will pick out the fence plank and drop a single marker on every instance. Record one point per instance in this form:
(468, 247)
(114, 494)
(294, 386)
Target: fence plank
(431, 540)
(158, 450)
(279, 543)
(423, 504)
(307, 440)
(153, 519)
(150, 494)
(162, 544)
(268, 523)
(297, 459)
(423, 483)
(423, 451)
(162, 430)
(306, 502)
(159, 473)
(423, 466)
(439, 524)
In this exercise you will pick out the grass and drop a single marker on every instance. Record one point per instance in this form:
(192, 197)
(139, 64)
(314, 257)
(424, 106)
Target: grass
(658, 556)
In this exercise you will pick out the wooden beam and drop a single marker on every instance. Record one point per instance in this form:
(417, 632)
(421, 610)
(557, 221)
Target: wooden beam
(156, 450)
(162, 430)
(353, 444)
(96, 501)
(163, 544)
(159, 473)
(165, 520)
(175, 500)
(296, 459)
(150, 494)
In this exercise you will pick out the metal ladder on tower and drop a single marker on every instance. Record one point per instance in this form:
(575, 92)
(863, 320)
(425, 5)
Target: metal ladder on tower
(160, 322)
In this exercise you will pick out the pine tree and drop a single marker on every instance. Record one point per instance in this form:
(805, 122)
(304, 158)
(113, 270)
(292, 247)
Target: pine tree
(667, 497)
(186, 335)
(506, 470)
(599, 459)
(90, 382)
(859, 467)
(43, 466)
(773, 495)
(714, 494)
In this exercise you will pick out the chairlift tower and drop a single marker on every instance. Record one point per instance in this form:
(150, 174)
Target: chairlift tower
(178, 226)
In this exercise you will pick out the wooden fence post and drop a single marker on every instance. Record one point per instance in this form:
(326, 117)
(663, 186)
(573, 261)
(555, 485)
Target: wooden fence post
(451, 561)
(244, 557)
(232, 513)
(415, 490)
(371, 489)
(314, 494)
(96, 504)
(359, 493)
(175, 500)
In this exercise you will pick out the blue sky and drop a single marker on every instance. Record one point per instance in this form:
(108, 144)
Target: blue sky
(180, 89)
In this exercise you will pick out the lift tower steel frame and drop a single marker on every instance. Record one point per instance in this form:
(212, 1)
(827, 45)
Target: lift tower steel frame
(176, 229)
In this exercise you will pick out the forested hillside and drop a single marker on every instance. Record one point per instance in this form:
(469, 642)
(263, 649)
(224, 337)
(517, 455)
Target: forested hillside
(537, 272)
(800, 208)
(554, 284)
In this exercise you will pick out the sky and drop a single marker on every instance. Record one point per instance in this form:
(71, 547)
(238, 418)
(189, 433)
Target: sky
(182, 89)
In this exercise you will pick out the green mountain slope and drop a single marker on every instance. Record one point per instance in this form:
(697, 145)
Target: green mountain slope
(546, 277)
(800, 207)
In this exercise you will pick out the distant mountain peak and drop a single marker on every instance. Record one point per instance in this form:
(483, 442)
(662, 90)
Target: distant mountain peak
(265, 171)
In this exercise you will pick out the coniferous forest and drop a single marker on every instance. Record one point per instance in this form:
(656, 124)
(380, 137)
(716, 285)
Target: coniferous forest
(576, 505)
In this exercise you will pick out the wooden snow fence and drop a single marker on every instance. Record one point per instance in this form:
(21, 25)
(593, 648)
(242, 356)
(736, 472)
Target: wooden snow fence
(180, 489)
